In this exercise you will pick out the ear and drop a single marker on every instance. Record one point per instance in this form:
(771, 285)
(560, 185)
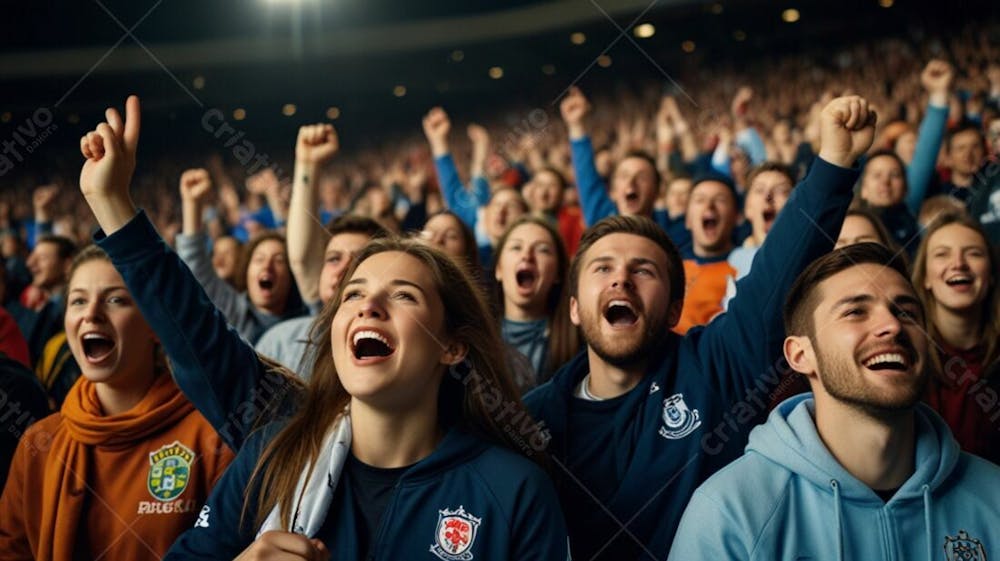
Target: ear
(454, 353)
(574, 313)
(801, 356)
(498, 272)
(674, 313)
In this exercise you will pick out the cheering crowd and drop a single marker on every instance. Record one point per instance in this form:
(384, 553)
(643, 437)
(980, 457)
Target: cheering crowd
(757, 319)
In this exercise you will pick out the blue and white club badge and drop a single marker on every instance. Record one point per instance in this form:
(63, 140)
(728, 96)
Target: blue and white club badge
(678, 420)
(963, 548)
(455, 534)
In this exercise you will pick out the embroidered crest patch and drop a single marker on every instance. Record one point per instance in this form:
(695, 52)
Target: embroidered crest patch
(455, 534)
(169, 470)
(678, 420)
(963, 548)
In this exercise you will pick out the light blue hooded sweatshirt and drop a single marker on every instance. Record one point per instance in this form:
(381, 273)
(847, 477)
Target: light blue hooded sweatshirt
(787, 498)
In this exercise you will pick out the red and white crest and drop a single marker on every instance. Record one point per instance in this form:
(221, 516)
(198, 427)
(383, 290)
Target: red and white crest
(455, 534)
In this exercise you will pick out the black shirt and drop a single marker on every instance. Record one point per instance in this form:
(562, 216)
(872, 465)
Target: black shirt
(370, 491)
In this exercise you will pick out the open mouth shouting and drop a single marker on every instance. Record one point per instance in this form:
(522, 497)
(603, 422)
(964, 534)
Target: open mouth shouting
(265, 282)
(710, 224)
(768, 216)
(620, 314)
(526, 277)
(370, 346)
(97, 347)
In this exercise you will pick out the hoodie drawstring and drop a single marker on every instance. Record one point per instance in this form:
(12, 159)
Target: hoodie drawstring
(927, 521)
(840, 519)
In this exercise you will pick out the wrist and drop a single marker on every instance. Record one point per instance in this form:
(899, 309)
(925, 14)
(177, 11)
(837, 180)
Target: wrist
(576, 131)
(938, 99)
(837, 159)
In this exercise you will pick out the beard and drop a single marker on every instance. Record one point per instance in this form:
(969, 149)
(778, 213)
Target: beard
(627, 349)
(843, 380)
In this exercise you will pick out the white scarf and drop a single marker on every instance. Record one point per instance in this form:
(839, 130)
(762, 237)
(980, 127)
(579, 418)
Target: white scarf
(314, 492)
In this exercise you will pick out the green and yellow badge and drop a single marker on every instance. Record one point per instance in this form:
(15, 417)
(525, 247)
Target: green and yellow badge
(169, 470)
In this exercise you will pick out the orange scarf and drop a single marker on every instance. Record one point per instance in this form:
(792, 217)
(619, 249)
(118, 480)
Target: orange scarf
(86, 427)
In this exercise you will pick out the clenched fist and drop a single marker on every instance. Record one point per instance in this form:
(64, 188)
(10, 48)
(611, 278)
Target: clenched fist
(195, 185)
(574, 107)
(316, 144)
(846, 130)
(937, 79)
(437, 125)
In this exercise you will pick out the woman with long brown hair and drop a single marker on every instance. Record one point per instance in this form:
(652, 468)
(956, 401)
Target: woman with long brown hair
(122, 469)
(410, 438)
(530, 269)
(955, 276)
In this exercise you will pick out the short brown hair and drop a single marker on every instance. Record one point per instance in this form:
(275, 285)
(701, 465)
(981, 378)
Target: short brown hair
(638, 226)
(802, 298)
(771, 166)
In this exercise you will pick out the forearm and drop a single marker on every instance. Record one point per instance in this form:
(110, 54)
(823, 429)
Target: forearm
(921, 168)
(190, 217)
(594, 199)
(306, 236)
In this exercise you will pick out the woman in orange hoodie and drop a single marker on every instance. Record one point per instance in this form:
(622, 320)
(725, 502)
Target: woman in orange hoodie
(123, 468)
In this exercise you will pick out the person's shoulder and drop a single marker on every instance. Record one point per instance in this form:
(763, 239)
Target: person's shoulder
(509, 474)
(748, 487)
(979, 474)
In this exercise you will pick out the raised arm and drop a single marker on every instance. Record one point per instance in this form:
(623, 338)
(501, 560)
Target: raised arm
(307, 237)
(192, 246)
(594, 199)
(937, 79)
(42, 200)
(214, 367)
(265, 183)
(464, 204)
(746, 342)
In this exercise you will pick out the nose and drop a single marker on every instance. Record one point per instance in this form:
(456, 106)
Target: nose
(887, 323)
(372, 308)
(621, 279)
(93, 311)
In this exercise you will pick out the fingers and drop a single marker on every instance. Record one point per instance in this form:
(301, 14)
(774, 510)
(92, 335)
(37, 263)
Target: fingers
(108, 138)
(114, 119)
(130, 136)
(288, 542)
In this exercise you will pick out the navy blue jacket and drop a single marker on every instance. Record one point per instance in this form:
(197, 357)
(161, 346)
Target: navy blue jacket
(692, 411)
(509, 501)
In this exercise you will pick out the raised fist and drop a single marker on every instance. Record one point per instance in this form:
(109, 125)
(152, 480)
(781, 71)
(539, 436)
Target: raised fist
(263, 182)
(437, 125)
(937, 78)
(195, 185)
(43, 197)
(846, 130)
(316, 144)
(110, 153)
(574, 107)
(478, 134)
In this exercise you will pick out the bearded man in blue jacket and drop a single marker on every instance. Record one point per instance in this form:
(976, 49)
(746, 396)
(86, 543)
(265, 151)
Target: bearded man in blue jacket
(860, 469)
(644, 416)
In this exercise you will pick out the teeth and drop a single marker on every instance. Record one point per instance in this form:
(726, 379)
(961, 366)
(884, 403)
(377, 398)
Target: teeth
(621, 303)
(370, 335)
(886, 357)
(90, 336)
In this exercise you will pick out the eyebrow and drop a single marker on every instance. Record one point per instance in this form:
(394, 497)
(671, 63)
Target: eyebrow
(100, 290)
(902, 299)
(632, 262)
(394, 282)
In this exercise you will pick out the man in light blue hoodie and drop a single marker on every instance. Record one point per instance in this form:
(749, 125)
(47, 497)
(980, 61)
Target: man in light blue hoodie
(859, 469)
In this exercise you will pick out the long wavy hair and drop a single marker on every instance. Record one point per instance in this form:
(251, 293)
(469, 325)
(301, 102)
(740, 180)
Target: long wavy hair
(564, 337)
(990, 323)
(467, 398)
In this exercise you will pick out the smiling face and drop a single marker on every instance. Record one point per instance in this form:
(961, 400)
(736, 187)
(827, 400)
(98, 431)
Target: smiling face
(340, 251)
(883, 182)
(623, 298)
(958, 269)
(711, 217)
(48, 269)
(867, 348)
(389, 343)
(633, 187)
(766, 197)
(106, 333)
(527, 268)
(268, 277)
